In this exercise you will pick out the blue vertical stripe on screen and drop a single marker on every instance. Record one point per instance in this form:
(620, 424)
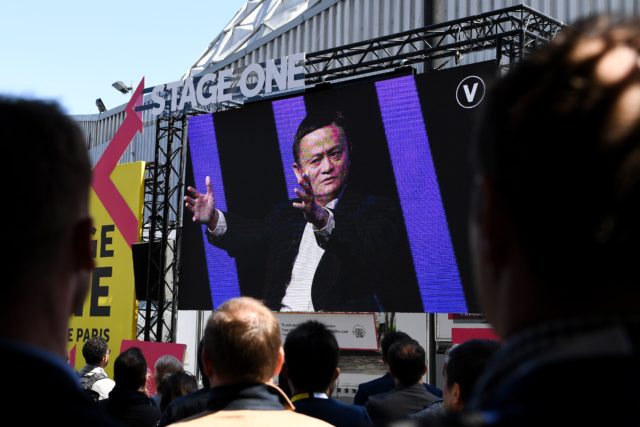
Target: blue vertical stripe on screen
(422, 208)
(288, 113)
(205, 159)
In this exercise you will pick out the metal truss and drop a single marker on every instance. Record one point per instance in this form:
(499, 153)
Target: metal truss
(513, 32)
(157, 313)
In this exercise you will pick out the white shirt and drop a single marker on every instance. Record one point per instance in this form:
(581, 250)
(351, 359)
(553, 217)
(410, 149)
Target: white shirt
(298, 293)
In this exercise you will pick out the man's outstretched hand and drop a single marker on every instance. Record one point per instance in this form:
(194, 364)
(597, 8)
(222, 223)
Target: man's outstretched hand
(202, 205)
(314, 213)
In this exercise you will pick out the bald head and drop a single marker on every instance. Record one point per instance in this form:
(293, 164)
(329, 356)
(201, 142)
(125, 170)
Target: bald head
(242, 342)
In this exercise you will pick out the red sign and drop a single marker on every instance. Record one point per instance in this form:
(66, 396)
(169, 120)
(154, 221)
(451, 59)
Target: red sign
(460, 335)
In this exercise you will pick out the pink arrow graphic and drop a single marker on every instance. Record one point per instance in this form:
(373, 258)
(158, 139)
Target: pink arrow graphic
(124, 219)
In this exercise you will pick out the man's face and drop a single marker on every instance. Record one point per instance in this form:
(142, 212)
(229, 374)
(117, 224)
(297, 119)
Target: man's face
(324, 157)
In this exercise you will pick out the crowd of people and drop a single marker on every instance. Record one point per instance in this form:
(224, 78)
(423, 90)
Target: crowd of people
(555, 237)
(240, 378)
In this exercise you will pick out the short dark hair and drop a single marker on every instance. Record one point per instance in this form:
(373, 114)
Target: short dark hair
(311, 353)
(242, 341)
(466, 362)
(406, 359)
(130, 369)
(58, 169)
(389, 339)
(561, 146)
(316, 120)
(94, 350)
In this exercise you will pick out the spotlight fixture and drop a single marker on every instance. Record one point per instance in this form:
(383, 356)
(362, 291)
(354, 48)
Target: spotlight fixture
(121, 87)
(100, 105)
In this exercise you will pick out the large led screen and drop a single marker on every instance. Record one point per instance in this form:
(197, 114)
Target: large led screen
(397, 241)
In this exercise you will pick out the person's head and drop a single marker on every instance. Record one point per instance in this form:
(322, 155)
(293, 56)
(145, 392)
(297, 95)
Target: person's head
(175, 385)
(165, 366)
(406, 360)
(389, 339)
(96, 352)
(556, 221)
(463, 366)
(311, 355)
(242, 343)
(130, 370)
(322, 151)
(51, 256)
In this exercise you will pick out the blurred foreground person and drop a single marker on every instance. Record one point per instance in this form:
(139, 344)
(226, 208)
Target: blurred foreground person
(555, 232)
(49, 261)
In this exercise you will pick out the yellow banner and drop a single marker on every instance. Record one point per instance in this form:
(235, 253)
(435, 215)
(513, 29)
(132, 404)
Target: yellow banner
(110, 308)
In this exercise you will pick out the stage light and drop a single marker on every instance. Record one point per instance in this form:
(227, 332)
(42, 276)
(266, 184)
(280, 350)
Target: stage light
(100, 105)
(122, 87)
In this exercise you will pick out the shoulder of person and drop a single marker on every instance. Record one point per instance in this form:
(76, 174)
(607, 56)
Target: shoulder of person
(255, 418)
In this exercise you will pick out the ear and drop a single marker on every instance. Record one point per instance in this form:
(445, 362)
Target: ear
(334, 379)
(456, 401)
(81, 262)
(297, 170)
(206, 364)
(279, 362)
(336, 374)
(81, 245)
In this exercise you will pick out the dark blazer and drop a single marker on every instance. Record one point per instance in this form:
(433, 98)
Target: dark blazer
(398, 403)
(131, 408)
(65, 404)
(366, 265)
(382, 385)
(334, 412)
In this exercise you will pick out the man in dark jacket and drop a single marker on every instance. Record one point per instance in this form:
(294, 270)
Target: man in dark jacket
(407, 366)
(385, 383)
(311, 366)
(128, 402)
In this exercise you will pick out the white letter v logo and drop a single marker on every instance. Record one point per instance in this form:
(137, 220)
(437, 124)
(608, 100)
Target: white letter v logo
(471, 95)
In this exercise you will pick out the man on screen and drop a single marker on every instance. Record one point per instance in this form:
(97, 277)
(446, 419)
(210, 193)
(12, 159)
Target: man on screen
(328, 250)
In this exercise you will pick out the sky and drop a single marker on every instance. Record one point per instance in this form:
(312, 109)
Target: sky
(72, 51)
